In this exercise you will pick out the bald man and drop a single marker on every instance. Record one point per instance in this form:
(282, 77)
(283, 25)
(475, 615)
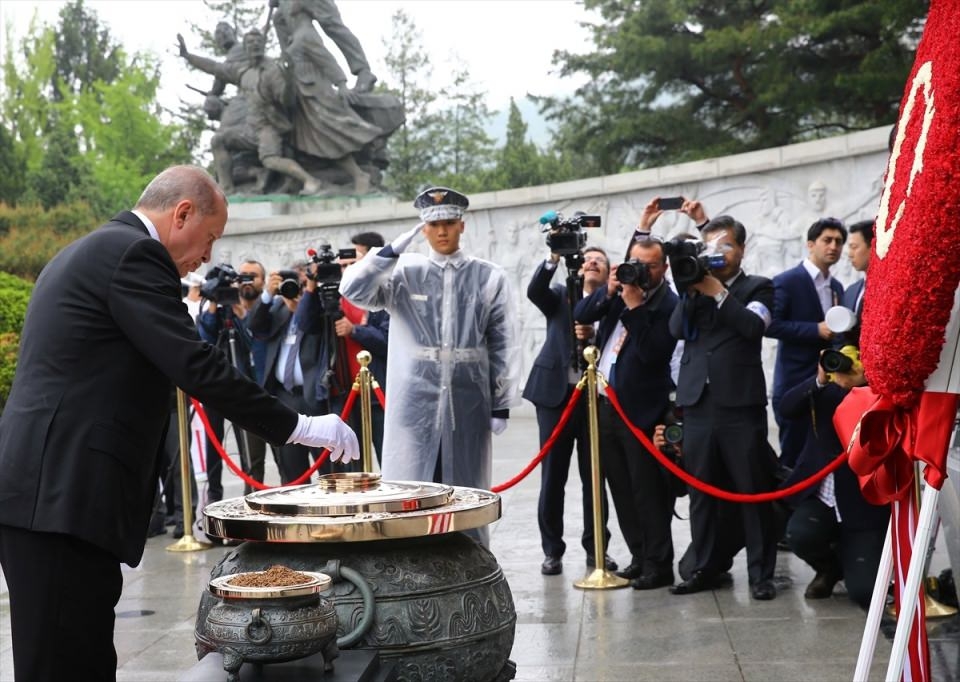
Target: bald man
(105, 336)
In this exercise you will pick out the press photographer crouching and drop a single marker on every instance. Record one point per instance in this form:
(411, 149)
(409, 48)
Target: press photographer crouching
(833, 528)
(633, 314)
(722, 390)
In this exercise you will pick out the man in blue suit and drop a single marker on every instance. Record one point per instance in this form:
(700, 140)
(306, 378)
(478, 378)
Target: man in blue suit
(549, 387)
(802, 296)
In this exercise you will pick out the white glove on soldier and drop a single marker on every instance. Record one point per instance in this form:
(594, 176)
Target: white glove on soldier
(403, 241)
(498, 425)
(327, 431)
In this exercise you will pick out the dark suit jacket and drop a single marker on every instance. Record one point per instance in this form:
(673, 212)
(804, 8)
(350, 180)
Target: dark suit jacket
(796, 314)
(850, 296)
(105, 334)
(269, 324)
(550, 375)
(642, 378)
(723, 345)
(816, 406)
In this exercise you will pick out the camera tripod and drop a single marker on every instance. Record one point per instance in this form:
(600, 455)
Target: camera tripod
(228, 332)
(573, 263)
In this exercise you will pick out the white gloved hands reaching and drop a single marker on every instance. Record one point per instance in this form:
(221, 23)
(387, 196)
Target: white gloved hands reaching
(327, 431)
(498, 425)
(399, 244)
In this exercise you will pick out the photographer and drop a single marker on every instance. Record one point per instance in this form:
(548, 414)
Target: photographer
(832, 528)
(721, 388)
(549, 387)
(291, 358)
(224, 324)
(633, 311)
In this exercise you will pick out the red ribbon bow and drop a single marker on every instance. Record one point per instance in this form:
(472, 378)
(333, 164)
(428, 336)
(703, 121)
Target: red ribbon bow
(885, 439)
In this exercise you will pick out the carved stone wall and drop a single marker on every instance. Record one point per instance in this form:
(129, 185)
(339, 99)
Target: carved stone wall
(776, 193)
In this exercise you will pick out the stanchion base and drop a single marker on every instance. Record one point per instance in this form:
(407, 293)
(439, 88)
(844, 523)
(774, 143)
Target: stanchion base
(188, 543)
(601, 579)
(931, 608)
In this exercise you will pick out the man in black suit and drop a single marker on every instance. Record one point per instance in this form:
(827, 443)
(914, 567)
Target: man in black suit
(802, 297)
(549, 386)
(636, 344)
(105, 335)
(722, 391)
(858, 250)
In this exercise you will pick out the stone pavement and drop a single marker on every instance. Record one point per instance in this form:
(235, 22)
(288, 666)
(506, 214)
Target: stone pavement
(562, 633)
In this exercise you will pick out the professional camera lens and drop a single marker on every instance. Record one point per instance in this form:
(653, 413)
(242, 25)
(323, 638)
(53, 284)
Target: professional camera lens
(673, 433)
(290, 286)
(634, 272)
(835, 361)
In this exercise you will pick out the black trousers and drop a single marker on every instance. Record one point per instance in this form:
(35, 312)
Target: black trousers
(641, 491)
(829, 545)
(62, 595)
(730, 444)
(792, 434)
(553, 477)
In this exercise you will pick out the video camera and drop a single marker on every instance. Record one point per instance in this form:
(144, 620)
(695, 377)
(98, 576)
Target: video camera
(221, 285)
(690, 261)
(327, 274)
(566, 237)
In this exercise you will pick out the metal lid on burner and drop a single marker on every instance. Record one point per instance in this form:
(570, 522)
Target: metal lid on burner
(348, 494)
(344, 510)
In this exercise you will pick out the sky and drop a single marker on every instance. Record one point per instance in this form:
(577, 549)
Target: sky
(507, 45)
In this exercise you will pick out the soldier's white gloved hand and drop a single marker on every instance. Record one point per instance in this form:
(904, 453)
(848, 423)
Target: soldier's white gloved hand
(327, 431)
(403, 241)
(498, 425)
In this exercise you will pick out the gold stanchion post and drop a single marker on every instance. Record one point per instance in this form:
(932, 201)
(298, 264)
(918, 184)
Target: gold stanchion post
(600, 578)
(187, 543)
(366, 410)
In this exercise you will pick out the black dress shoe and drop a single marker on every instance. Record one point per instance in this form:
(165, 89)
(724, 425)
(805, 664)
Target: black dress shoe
(763, 590)
(651, 581)
(178, 531)
(632, 571)
(609, 563)
(551, 566)
(821, 587)
(698, 582)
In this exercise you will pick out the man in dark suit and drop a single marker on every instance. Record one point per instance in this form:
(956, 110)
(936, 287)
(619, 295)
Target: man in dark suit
(549, 386)
(832, 528)
(104, 336)
(722, 391)
(858, 250)
(802, 296)
(636, 344)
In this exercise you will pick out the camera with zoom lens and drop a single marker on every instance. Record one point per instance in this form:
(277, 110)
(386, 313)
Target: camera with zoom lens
(690, 261)
(221, 285)
(842, 361)
(672, 430)
(634, 272)
(290, 284)
(566, 237)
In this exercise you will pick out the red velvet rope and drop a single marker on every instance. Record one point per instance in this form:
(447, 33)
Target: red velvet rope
(713, 490)
(254, 483)
(380, 397)
(564, 418)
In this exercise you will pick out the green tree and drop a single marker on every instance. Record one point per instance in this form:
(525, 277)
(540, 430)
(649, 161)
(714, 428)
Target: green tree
(100, 135)
(462, 145)
(674, 80)
(410, 148)
(519, 162)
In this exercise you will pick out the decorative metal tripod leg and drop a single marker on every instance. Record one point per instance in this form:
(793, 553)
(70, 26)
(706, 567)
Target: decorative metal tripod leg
(187, 543)
(600, 578)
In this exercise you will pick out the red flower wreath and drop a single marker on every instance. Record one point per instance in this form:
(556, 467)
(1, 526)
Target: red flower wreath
(915, 268)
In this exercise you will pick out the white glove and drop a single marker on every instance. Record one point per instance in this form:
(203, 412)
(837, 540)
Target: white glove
(327, 431)
(498, 425)
(403, 241)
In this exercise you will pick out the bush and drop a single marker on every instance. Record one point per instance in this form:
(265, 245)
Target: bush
(30, 235)
(14, 295)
